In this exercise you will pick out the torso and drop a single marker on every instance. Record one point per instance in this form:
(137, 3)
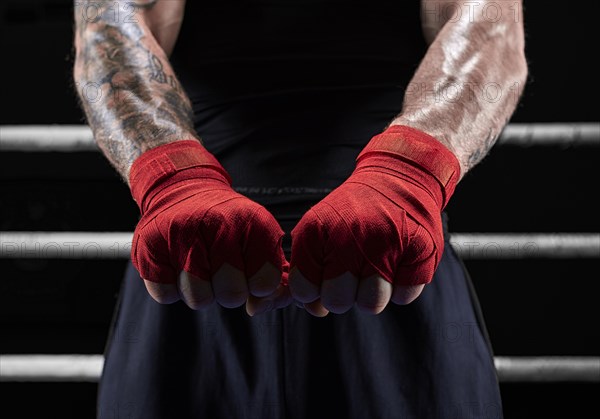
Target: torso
(286, 93)
(166, 17)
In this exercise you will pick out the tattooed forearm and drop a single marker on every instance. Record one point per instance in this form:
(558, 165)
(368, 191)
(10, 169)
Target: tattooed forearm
(479, 152)
(470, 80)
(137, 102)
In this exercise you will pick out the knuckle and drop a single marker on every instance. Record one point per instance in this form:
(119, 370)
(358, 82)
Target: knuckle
(232, 297)
(260, 215)
(336, 304)
(302, 289)
(404, 297)
(309, 225)
(215, 216)
(197, 302)
(163, 297)
(403, 300)
(373, 307)
(263, 285)
(301, 294)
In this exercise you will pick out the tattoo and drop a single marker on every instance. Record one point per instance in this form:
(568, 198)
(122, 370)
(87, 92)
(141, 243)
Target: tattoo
(482, 150)
(138, 102)
(156, 69)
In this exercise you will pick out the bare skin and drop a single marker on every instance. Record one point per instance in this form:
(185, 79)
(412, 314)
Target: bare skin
(468, 85)
(141, 104)
(136, 103)
(463, 93)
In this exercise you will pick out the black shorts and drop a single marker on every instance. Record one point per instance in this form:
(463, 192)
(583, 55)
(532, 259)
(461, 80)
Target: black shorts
(429, 359)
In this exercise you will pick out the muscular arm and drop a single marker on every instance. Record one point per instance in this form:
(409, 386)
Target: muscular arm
(130, 95)
(468, 84)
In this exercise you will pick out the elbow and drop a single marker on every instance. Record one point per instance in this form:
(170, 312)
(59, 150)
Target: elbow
(78, 54)
(520, 58)
(515, 59)
(522, 68)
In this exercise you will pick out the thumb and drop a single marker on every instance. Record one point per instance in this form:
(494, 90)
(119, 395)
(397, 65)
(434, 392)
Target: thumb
(420, 259)
(280, 298)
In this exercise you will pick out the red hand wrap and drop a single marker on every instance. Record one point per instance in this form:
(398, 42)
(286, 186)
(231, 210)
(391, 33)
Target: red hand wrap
(386, 218)
(193, 220)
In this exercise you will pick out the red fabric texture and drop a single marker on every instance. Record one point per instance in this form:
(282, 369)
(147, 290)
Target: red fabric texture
(385, 219)
(192, 220)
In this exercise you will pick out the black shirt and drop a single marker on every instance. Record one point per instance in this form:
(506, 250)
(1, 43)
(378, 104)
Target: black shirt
(286, 93)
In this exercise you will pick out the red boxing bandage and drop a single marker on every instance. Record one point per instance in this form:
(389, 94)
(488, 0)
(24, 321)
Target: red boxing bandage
(386, 218)
(192, 220)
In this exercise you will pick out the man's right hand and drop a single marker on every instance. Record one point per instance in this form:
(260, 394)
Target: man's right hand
(198, 240)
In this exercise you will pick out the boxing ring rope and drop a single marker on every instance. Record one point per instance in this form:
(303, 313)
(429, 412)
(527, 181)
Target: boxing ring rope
(73, 138)
(51, 368)
(117, 245)
(547, 369)
(87, 368)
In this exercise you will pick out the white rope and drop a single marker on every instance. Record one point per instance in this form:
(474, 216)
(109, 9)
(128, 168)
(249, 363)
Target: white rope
(63, 138)
(70, 138)
(91, 245)
(551, 134)
(526, 245)
(528, 369)
(51, 367)
(78, 368)
(65, 245)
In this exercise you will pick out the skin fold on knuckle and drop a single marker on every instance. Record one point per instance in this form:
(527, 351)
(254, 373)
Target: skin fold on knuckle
(199, 302)
(406, 295)
(195, 299)
(373, 294)
(231, 298)
(301, 288)
(336, 304)
(265, 281)
(372, 304)
(162, 293)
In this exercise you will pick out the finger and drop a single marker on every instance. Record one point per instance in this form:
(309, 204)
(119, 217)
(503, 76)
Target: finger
(405, 294)
(373, 294)
(411, 279)
(282, 297)
(262, 242)
(302, 289)
(220, 241)
(150, 256)
(162, 293)
(339, 294)
(316, 308)
(265, 281)
(420, 259)
(258, 305)
(229, 286)
(279, 299)
(307, 248)
(195, 292)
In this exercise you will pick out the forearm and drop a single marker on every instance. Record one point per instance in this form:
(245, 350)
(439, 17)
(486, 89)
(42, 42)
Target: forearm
(137, 103)
(469, 82)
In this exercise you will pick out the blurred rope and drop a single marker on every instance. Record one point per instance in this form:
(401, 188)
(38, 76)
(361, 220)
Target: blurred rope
(117, 245)
(88, 368)
(72, 138)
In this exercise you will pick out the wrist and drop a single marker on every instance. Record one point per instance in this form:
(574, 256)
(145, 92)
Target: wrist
(417, 155)
(169, 164)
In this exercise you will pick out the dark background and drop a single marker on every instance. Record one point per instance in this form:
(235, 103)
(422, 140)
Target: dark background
(532, 307)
